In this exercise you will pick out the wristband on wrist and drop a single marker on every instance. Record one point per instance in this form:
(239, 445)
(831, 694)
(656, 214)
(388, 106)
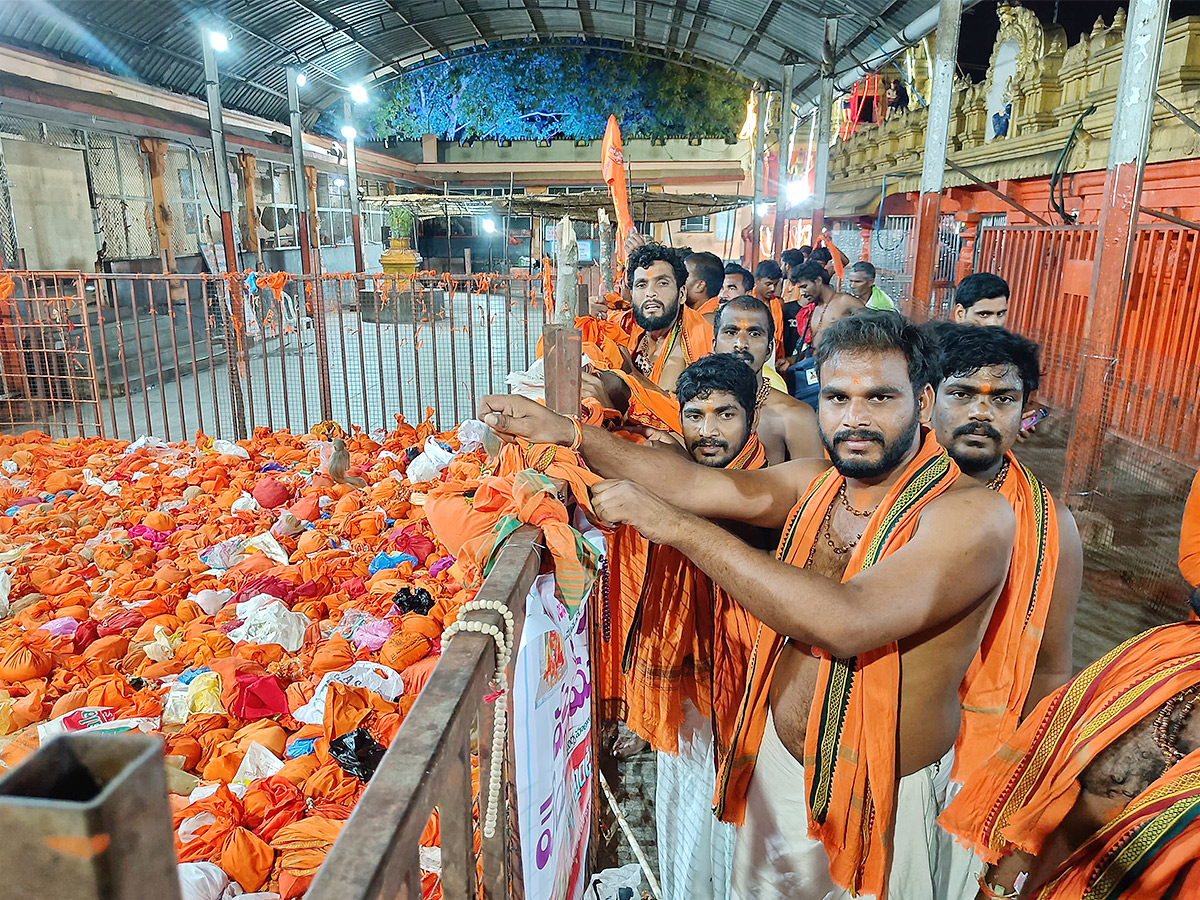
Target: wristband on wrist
(578, 439)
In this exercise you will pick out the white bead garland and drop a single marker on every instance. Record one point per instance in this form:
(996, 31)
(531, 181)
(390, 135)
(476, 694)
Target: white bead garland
(504, 641)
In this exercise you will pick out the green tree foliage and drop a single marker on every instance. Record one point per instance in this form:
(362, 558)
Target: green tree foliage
(560, 92)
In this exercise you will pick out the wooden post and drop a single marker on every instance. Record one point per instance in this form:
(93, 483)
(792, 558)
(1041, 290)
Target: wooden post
(247, 161)
(314, 233)
(156, 157)
(566, 289)
(606, 252)
(824, 129)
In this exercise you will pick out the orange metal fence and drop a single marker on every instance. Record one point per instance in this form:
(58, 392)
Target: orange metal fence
(130, 355)
(1154, 381)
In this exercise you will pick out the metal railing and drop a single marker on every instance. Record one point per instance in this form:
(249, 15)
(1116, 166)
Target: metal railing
(428, 764)
(125, 355)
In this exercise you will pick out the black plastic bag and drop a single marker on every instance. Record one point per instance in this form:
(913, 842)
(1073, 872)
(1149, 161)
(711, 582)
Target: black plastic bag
(416, 600)
(357, 753)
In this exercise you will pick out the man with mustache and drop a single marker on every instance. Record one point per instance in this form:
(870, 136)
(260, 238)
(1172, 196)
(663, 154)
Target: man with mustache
(787, 427)
(871, 612)
(987, 374)
(665, 334)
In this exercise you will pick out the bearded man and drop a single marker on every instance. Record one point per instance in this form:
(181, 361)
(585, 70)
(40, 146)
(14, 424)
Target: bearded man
(871, 612)
(665, 334)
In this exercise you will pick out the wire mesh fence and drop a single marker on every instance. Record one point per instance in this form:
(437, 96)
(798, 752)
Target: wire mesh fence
(130, 355)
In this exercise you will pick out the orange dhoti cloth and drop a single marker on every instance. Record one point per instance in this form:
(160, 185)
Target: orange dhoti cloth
(850, 746)
(1024, 791)
(994, 692)
(657, 632)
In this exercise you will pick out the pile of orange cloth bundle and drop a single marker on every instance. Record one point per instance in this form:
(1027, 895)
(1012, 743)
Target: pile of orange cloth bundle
(269, 616)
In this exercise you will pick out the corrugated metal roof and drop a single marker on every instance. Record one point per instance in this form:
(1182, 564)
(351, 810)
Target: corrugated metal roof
(343, 42)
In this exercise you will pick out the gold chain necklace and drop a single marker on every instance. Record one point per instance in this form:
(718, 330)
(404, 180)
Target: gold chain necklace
(764, 391)
(994, 484)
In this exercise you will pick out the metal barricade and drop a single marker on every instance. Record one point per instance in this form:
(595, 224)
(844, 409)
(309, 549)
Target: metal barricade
(125, 355)
(428, 764)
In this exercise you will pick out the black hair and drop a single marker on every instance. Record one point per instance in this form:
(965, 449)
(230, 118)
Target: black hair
(809, 271)
(749, 303)
(709, 270)
(768, 268)
(806, 250)
(821, 255)
(862, 266)
(746, 276)
(718, 372)
(880, 330)
(648, 254)
(792, 257)
(975, 287)
(901, 101)
(967, 348)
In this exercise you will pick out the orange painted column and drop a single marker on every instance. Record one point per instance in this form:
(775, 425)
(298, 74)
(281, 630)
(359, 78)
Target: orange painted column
(1145, 31)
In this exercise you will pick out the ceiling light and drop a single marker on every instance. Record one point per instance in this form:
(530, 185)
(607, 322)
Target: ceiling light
(489, 226)
(301, 79)
(349, 132)
(218, 41)
(798, 190)
(358, 94)
(762, 209)
(339, 182)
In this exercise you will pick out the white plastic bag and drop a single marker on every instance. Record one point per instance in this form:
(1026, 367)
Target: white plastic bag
(162, 647)
(273, 624)
(211, 601)
(266, 544)
(259, 762)
(201, 880)
(429, 464)
(375, 677)
(623, 883)
(5, 587)
(175, 707)
(245, 503)
(220, 446)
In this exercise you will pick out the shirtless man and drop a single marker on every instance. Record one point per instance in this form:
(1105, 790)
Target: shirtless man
(665, 335)
(838, 611)
(787, 427)
(986, 376)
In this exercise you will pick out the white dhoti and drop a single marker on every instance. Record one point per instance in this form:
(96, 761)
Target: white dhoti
(695, 849)
(774, 856)
(958, 866)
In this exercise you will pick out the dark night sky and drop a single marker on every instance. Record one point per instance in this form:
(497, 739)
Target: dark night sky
(980, 25)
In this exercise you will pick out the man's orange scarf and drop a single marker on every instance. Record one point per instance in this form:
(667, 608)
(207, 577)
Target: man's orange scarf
(690, 329)
(1027, 787)
(709, 306)
(849, 768)
(997, 684)
(602, 340)
(657, 631)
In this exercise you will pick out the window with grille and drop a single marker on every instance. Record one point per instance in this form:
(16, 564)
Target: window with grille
(275, 205)
(121, 189)
(695, 224)
(333, 209)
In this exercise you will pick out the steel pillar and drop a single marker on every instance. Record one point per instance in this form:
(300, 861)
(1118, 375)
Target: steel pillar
(824, 130)
(352, 183)
(760, 149)
(937, 134)
(212, 95)
(298, 185)
(1145, 30)
(786, 121)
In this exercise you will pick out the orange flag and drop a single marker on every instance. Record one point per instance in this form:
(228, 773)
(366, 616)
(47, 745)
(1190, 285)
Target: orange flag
(613, 166)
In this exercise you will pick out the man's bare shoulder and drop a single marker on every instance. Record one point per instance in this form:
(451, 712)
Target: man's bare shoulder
(974, 511)
(1069, 541)
(801, 472)
(778, 400)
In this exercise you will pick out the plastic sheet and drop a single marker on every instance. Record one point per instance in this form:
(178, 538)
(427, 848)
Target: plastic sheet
(357, 753)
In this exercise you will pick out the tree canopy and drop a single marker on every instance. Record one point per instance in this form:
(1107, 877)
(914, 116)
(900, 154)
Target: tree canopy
(556, 92)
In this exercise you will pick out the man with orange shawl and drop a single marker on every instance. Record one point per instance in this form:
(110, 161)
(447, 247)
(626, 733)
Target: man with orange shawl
(987, 374)
(665, 335)
(871, 612)
(705, 276)
(1097, 794)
